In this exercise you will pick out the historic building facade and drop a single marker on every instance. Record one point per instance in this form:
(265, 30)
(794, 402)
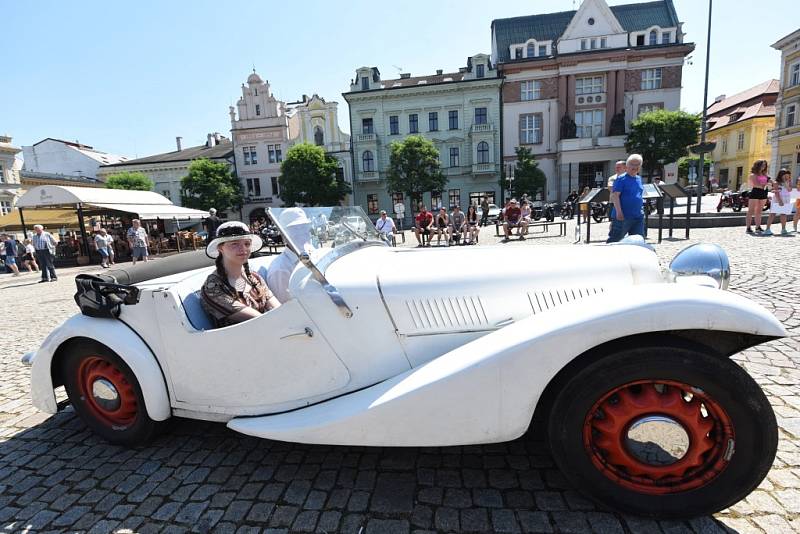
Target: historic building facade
(67, 158)
(786, 136)
(263, 128)
(458, 111)
(740, 125)
(9, 175)
(168, 169)
(574, 81)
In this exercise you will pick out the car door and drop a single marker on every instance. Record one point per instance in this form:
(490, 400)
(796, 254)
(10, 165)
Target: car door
(274, 362)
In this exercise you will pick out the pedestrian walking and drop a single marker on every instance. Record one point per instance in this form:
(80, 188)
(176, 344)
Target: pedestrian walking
(758, 180)
(627, 217)
(102, 242)
(781, 202)
(619, 170)
(11, 253)
(212, 222)
(137, 238)
(45, 252)
(29, 259)
(485, 210)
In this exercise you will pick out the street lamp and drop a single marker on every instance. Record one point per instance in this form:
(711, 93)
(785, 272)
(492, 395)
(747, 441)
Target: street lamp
(703, 125)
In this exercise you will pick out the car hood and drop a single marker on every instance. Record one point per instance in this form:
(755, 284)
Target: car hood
(484, 288)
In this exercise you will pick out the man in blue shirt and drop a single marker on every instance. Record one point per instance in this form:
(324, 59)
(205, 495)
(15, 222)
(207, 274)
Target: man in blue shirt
(626, 196)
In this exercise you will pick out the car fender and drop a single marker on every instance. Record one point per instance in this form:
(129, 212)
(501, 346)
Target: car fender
(117, 336)
(486, 391)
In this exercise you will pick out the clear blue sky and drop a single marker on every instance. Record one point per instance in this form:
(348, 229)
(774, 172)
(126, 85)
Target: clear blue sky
(127, 77)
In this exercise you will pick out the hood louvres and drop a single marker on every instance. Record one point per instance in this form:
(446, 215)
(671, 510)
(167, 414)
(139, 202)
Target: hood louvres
(542, 301)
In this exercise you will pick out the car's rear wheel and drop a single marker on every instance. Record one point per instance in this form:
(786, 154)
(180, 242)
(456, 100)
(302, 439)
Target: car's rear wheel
(664, 432)
(106, 395)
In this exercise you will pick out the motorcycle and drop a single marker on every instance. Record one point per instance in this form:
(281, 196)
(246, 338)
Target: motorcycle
(744, 198)
(567, 210)
(731, 199)
(547, 210)
(599, 210)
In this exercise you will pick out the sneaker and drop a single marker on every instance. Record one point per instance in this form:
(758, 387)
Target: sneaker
(43, 281)
(506, 240)
(54, 279)
(767, 232)
(749, 231)
(784, 232)
(759, 229)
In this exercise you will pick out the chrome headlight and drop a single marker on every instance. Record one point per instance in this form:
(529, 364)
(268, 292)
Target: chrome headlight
(701, 259)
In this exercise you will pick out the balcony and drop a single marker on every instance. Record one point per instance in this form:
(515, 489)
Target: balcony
(477, 128)
(484, 168)
(369, 176)
(366, 138)
(588, 143)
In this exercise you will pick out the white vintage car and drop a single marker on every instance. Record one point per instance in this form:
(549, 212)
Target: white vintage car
(624, 366)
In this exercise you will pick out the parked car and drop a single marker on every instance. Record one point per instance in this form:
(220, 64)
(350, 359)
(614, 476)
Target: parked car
(624, 367)
(494, 213)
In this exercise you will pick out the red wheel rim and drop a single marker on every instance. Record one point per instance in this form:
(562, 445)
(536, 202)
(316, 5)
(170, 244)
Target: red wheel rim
(708, 428)
(94, 368)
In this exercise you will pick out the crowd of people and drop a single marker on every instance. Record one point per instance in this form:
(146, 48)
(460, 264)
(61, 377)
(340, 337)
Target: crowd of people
(785, 199)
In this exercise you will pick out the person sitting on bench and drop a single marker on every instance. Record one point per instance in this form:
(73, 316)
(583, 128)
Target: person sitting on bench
(422, 225)
(456, 224)
(513, 219)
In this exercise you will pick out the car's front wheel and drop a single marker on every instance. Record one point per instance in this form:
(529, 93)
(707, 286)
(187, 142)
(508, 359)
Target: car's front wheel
(663, 432)
(106, 395)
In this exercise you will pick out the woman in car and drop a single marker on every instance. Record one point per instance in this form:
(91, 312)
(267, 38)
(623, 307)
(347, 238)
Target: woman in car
(232, 293)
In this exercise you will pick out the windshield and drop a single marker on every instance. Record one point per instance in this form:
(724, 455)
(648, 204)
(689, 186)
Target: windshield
(311, 229)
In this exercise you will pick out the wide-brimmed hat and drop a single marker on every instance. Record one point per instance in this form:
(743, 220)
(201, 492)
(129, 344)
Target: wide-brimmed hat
(292, 217)
(232, 231)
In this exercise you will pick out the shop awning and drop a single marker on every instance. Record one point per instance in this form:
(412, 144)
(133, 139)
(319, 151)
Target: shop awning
(49, 218)
(145, 204)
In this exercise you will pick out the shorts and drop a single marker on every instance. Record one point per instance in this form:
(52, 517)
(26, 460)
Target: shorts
(514, 224)
(103, 252)
(139, 252)
(426, 231)
(27, 257)
(758, 193)
(11, 260)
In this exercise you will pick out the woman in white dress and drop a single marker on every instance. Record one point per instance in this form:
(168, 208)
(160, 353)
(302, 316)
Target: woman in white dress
(781, 201)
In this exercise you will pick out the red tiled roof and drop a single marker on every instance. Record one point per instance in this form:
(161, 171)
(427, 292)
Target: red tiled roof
(755, 110)
(768, 87)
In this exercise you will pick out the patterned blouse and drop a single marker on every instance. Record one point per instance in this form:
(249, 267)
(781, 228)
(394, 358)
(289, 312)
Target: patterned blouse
(220, 300)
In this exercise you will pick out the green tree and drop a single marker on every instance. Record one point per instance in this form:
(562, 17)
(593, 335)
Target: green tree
(210, 184)
(687, 162)
(135, 181)
(308, 177)
(528, 177)
(414, 167)
(662, 137)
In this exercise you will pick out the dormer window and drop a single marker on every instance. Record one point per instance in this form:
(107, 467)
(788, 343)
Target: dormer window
(479, 73)
(653, 38)
(542, 50)
(531, 50)
(603, 42)
(640, 40)
(364, 83)
(666, 38)
(584, 44)
(518, 53)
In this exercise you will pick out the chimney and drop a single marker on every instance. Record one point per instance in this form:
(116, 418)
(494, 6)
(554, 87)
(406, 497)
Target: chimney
(438, 72)
(405, 75)
(211, 141)
(178, 143)
(217, 137)
(720, 98)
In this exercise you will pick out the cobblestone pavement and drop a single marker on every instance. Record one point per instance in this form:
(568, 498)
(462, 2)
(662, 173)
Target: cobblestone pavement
(56, 476)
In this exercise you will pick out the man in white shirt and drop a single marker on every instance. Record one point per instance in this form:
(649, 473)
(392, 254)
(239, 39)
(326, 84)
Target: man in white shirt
(619, 169)
(297, 225)
(384, 224)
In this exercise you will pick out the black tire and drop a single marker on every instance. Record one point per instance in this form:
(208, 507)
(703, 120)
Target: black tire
(598, 215)
(536, 215)
(737, 207)
(129, 425)
(746, 425)
(567, 212)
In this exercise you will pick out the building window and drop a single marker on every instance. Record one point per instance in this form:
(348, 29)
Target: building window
(278, 154)
(367, 161)
(640, 40)
(249, 155)
(542, 50)
(319, 137)
(413, 123)
(584, 44)
(589, 123)
(666, 38)
(740, 141)
(647, 108)
(274, 181)
(589, 85)
(480, 116)
(518, 53)
(483, 152)
(452, 117)
(254, 187)
(433, 121)
(530, 129)
(339, 174)
(258, 110)
(397, 198)
(5, 207)
(479, 73)
(364, 83)
(394, 125)
(454, 156)
(739, 175)
(372, 203)
(794, 75)
(531, 90)
(166, 193)
(603, 42)
(2, 174)
(653, 38)
(366, 126)
(436, 199)
(531, 51)
(790, 115)
(454, 198)
(274, 152)
(651, 79)
(593, 44)
(725, 145)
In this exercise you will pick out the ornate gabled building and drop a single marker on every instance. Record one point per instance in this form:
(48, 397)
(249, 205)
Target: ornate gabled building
(786, 136)
(458, 111)
(262, 130)
(574, 81)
